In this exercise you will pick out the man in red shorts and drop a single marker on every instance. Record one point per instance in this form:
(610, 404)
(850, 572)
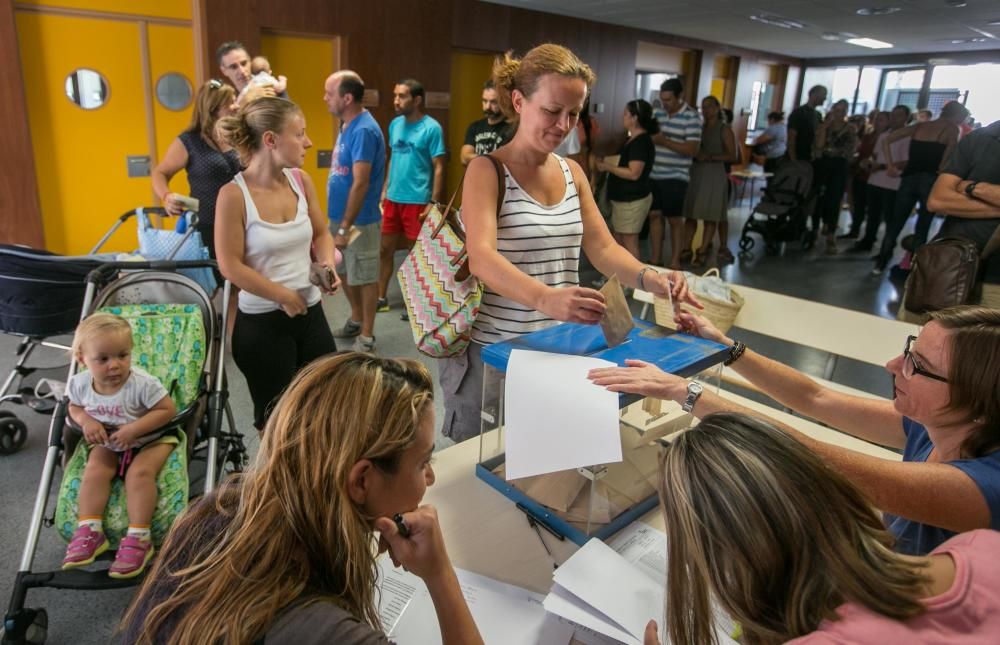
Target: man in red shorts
(415, 177)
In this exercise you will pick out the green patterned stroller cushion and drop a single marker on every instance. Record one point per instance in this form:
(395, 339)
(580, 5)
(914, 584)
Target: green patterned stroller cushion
(171, 496)
(168, 342)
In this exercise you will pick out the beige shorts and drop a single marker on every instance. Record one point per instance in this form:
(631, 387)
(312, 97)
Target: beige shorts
(360, 265)
(627, 217)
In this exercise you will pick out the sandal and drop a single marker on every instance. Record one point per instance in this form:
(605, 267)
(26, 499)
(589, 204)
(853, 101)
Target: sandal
(699, 259)
(725, 256)
(686, 256)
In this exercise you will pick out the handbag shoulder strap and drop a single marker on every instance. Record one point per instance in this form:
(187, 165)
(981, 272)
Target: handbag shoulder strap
(991, 245)
(501, 183)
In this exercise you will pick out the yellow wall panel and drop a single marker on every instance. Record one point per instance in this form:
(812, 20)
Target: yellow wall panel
(171, 49)
(307, 62)
(468, 73)
(80, 155)
(156, 8)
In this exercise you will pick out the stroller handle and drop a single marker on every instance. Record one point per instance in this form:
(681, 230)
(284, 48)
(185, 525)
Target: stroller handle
(159, 211)
(107, 270)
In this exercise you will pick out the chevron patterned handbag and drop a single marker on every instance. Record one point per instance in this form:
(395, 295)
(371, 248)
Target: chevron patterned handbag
(442, 297)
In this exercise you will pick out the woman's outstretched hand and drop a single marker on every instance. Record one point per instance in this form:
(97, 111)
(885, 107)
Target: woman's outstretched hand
(640, 377)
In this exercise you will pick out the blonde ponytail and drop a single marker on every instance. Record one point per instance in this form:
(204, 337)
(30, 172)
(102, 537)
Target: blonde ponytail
(523, 74)
(245, 131)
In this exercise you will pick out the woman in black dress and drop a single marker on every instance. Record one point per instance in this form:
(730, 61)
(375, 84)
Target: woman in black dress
(209, 161)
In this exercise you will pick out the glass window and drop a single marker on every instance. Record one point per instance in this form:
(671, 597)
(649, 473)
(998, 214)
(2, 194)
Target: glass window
(87, 88)
(816, 76)
(868, 90)
(845, 81)
(902, 87)
(173, 91)
(967, 84)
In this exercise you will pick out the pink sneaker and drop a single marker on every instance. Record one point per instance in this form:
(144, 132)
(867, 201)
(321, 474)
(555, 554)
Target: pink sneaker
(131, 558)
(84, 548)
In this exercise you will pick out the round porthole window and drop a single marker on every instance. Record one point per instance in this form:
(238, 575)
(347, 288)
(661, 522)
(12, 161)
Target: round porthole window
(174, 91)
(87, 88)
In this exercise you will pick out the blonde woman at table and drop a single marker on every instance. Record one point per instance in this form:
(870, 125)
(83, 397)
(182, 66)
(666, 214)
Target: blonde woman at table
(739, 497)
(945, 417)
(528, 253)
(286, 552)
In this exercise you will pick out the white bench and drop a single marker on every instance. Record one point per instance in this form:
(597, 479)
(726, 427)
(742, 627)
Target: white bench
(836, 331)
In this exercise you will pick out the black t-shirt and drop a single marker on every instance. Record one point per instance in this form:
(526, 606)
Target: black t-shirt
(804, 120)
(977, 158)
(642, 149)
(486, 138)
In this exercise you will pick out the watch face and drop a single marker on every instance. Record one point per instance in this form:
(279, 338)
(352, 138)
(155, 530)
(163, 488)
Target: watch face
(695, 388)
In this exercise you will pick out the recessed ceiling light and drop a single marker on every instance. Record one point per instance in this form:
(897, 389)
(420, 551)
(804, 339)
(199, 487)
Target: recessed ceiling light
(995, 23)
(963, 41)
(829, 35)
(958, 4)
(877, 11)
(870, 43)
(777, 21)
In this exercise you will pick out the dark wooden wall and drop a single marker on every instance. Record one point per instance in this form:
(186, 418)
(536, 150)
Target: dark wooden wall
(20, 213)
(384, 41)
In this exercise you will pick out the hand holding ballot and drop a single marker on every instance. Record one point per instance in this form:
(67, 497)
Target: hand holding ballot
(672, 282)
(572, 304)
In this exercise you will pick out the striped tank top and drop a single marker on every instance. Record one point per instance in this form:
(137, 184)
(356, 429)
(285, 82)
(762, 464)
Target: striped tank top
(543, 242)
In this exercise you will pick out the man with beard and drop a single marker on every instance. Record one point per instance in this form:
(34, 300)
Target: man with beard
(416, 177)
(486, 135)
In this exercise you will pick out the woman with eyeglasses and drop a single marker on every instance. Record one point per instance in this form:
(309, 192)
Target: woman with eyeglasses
(209, 161)
(944, 417)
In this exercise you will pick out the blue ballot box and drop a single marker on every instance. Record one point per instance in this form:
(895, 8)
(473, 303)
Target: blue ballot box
(600, 499)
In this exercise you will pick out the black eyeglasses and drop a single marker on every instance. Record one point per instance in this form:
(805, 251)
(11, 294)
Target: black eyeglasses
(911, 366)
(215, 84)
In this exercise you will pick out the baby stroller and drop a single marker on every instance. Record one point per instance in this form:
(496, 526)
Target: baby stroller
(783, 211)
(159, 302)
(42, 296)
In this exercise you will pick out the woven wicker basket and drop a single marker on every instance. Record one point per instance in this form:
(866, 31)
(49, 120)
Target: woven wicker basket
(719, 312)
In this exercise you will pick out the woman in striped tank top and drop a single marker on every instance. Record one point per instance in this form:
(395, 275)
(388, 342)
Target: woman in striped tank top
(528, 254)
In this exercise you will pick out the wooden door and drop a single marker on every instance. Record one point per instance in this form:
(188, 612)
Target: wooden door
(307, 61)
(468, 73)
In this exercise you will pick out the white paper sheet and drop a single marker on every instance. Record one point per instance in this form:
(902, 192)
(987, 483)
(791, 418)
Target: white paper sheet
(570, 607)
(555, 418)
(504, 614)
(645, 548)
(604, 580)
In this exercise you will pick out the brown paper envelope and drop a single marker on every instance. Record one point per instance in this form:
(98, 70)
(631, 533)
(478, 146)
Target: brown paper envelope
(617, 321)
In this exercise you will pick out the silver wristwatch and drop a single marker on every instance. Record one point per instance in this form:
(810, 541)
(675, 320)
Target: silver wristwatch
(694, 391)
(341, 232)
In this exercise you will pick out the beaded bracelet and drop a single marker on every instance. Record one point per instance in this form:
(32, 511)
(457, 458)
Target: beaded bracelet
(735, 352)
(640, 281)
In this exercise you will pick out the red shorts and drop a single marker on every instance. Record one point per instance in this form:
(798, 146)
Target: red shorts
(402, 218)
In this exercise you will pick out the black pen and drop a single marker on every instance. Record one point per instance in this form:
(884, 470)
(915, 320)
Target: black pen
(401, 526)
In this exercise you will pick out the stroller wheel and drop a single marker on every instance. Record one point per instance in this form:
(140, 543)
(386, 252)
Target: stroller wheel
(747, 243)
(772, 248)
(13, 434)
(34, 633)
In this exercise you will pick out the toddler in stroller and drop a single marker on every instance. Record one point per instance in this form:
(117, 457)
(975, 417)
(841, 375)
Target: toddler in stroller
(122, 411)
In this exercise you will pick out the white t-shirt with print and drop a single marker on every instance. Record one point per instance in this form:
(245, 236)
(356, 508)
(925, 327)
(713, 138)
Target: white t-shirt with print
(135, 398)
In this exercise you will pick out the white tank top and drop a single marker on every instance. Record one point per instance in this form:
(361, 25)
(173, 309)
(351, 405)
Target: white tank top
(279, 252)
(542, 241)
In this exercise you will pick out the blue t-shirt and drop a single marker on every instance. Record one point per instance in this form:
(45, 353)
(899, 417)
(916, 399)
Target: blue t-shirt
(361, 140)
(920, 539)
(411, 169)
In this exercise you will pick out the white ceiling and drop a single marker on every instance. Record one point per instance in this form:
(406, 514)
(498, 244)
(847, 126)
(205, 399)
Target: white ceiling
(921, 26)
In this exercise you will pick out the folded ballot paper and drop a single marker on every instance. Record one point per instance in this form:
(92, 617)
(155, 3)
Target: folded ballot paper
(614, 589)
(504, 614)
